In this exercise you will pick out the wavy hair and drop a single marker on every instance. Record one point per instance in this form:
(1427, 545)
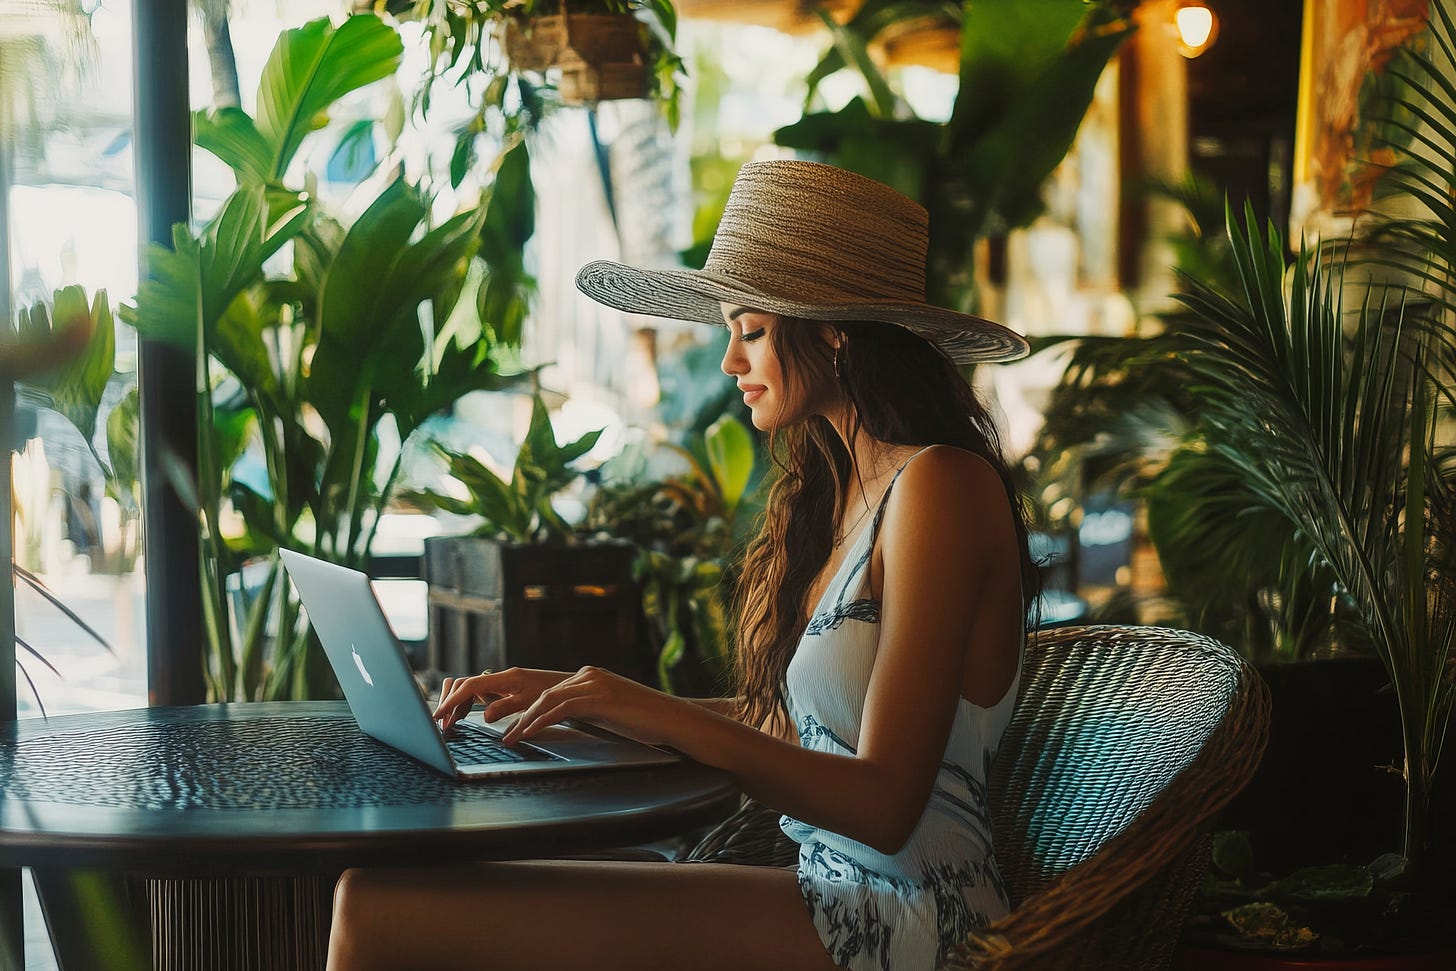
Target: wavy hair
(902, 390)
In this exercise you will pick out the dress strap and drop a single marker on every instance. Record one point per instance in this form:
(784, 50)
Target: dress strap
(885, 497)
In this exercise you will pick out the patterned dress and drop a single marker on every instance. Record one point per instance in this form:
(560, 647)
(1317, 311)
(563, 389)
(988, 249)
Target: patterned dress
(873, 911)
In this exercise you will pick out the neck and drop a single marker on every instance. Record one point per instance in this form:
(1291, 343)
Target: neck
(873, 462)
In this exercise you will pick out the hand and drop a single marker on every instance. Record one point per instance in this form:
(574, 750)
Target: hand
(506, 692)
(604, 699)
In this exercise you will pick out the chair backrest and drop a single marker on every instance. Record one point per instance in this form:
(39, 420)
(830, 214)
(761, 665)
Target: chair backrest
(1125, 741)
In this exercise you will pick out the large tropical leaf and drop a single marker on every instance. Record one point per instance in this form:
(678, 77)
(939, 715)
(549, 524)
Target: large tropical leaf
(1006, 46)
(191, 285)
(311, 68)
(876, 18)
(231, 135)
(369, 334)
(76, 386)
(505, 295)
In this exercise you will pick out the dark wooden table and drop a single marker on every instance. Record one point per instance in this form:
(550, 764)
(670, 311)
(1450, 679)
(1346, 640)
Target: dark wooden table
(223, 827)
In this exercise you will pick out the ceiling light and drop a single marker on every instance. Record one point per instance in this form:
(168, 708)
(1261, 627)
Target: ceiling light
(1197, 28)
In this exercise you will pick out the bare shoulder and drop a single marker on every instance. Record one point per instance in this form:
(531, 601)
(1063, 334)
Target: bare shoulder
(952, 483)
(949, 502)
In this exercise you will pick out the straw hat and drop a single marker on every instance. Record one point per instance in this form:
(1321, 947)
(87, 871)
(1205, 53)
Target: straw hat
(809, 240)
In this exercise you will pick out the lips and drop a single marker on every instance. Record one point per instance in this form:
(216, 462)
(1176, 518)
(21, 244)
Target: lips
(752, 392)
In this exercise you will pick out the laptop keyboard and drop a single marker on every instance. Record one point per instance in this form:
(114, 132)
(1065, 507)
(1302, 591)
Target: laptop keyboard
(473, 747)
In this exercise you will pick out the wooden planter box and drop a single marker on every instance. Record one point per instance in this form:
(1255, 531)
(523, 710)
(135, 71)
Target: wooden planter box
(496, 605)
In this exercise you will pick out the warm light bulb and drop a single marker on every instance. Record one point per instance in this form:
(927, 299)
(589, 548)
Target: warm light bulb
(1196, 26)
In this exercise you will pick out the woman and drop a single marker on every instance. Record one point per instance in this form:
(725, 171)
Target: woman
(881, 620)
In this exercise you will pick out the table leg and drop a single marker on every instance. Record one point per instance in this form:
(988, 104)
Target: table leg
(101, 921)
(97, 920)
(246, 923)
(12, 921)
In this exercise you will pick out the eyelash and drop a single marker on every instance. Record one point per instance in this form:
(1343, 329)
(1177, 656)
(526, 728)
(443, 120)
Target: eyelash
(753, 336)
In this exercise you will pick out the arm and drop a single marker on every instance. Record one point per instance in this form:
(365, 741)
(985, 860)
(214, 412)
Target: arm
(722, 706)
(950, 579)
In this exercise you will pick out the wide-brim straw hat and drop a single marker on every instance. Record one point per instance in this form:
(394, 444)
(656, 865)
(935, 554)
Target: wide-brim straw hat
(809, 240)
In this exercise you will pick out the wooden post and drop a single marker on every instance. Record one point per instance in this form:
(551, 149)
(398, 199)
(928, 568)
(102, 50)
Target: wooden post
(167, 373)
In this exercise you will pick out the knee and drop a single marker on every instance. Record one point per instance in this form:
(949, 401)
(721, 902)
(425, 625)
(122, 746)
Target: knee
(350, 924)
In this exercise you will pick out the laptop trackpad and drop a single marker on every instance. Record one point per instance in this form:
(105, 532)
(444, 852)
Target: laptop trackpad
(574, 743)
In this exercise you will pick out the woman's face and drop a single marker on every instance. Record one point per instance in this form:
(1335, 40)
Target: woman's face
(754, 363)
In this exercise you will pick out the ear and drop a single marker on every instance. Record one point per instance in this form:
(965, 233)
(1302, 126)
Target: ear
(831, 334)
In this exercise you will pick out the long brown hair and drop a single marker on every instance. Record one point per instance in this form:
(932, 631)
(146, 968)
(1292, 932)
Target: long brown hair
(902, 390)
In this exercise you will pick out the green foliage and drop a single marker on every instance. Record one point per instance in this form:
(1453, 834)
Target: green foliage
(75, 387)
(687, 528)
(80, 342)
(1028, 71)
(466, 39)
(320, 335)
(520, 509)
(1325, 411)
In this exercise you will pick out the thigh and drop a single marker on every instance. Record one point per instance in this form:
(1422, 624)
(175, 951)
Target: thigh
(575, 914)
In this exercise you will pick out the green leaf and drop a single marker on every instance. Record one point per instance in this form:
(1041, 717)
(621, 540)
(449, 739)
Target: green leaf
(504, 297)
(493, 500)
(730, 456)
(368, 315)
(75, 387)
(312, 67)
(123, 427)
(853, 48)
(230, 134)
(1006, 45)
(190, 285)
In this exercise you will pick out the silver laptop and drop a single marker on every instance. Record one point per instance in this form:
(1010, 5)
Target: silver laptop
(389, 705)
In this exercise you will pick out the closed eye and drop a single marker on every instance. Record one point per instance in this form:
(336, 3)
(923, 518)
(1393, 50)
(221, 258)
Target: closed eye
(752, 336)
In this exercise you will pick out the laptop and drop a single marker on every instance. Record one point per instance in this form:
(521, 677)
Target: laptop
(388, 704)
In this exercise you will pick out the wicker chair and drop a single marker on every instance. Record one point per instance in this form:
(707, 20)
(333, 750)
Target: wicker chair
(1125, 742)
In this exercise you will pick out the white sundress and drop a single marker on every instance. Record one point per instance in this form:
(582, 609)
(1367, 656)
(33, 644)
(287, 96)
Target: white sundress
(873, 911)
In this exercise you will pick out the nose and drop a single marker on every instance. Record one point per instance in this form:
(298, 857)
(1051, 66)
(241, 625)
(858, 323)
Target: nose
(734, 361)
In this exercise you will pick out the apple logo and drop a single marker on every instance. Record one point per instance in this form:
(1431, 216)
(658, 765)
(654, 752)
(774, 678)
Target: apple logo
(359, 663)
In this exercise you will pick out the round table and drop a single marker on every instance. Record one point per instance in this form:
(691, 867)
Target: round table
(280, 797)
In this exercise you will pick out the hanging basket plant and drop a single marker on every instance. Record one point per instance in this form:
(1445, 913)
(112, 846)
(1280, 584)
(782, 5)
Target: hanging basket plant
(605, 50)
(600, 55)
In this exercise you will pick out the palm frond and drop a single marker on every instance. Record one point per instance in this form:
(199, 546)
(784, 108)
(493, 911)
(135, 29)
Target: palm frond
(1326, 409)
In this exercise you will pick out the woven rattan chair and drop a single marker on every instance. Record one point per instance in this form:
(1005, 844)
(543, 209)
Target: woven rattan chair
(1125, 742)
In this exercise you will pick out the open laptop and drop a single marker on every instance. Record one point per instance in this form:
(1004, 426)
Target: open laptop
(389, 705)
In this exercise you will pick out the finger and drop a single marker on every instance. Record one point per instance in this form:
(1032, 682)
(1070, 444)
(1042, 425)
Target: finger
(457, 702)
(525, 728)
(446, 685)
(547, 710)
(505, 706)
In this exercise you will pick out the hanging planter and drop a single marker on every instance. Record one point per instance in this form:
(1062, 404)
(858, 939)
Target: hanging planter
(600, 55)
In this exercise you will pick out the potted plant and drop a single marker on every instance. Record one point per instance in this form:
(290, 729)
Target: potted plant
(596, 50)
(1326, 381)
(526, 588)
(319, 335)
(686, 529)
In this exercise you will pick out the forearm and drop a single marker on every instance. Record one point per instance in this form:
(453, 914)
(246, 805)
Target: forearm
(843, 794)
(721, 706)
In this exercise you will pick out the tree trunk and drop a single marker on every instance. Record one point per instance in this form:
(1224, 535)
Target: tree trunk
(221, 58)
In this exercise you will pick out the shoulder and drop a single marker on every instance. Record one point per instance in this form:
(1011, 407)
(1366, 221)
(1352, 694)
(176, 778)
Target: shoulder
(945, 472)
(949, 496)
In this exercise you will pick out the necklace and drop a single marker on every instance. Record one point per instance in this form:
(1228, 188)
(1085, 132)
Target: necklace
(848, 530)
(845, 534)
